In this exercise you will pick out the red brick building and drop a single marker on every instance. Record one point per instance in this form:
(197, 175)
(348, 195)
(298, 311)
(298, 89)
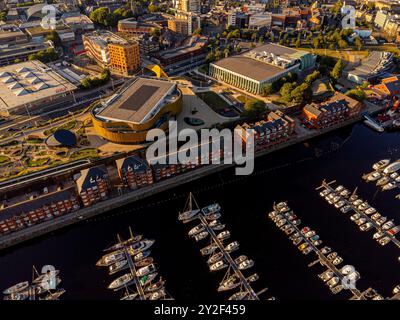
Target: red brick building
(134, 172)
(92, 185)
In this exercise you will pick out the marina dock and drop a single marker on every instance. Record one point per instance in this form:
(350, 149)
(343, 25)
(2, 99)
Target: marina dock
(283, 213)
(328, 186)
(246, 291)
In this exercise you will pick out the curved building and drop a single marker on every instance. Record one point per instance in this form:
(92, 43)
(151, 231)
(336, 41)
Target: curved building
(145, 104)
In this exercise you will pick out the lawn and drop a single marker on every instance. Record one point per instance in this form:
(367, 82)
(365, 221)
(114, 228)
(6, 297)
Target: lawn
(84, 154)
(348, 55)
(4, 159)
(213, 100)
(37, 162)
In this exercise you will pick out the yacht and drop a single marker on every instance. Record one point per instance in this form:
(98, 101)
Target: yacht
(213, 216)
(224, 235)
(307, 250)
(246, 264)
(394, 175)
(157, 295)
(382, 181)
(393, 167)
(118, 266)
(396, 289)
(218, 227)
(297, 241)
(347, 269)
(215, 258)
(201, 235)
(345, 208)
(140, 246)
(240, 259)
(145, 262)
(296, 222)
(141, 255)
(212, 208)
(326, 250)
(353, 197)
(357, 202)
(378, 235)
(22, 295)
(326, 275)
(219, 265)
(376, 216)
(345, 193)
(310, 233)
(280, 223)
(122, 281)
(229, 284)
(305, 230)
(381, 220)
(384, 241)
(355, 216)
(214, 223)
(145, 280)
(289, 231)
(233, 246)
(130, 296)
(340, 204)
(40, 278)
(146, 270)
(272, 214)
(209, 249)
(332, 255)
(324, 193)
(388, 225)
(389, 186)
(188, 215)
(339, 188)
(241, 295)
(381, 164)
(122, 244)
(317, 242)
(333, 282)
(361, 221)
(195, 230)
(155, 286)
(110, 258)
(338, 260)
(363, 206)
(17, 288)
(370, 210)
(373, 176)
(366, 227)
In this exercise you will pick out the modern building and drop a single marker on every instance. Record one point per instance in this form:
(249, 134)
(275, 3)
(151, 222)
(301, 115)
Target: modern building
(193, 6)
(277, 128)
(79, 23)
(145, 104)
(388, 86)
(113, 52)
(389, 5)
(260, 20)
(336, 109)
(184, 23)
(30, 85)
(238, 19)
(92, 185)
(10, 35)
(252, 70)
(134, 172)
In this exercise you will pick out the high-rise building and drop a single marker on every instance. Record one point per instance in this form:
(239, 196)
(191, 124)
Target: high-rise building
(184, 23)
(193, 6)
(112, 51)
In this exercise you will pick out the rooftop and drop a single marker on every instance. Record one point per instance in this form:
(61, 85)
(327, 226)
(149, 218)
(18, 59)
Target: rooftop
(28, 82)
(137, 101)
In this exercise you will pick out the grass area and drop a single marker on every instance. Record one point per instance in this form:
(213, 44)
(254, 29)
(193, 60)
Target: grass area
(84, 154)
(4, 159)
(34, 140)
(213, 100)
(67, 126)
(37, 162)
(348, 55)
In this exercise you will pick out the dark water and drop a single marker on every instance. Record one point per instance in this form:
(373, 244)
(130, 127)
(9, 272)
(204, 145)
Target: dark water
(291, 174)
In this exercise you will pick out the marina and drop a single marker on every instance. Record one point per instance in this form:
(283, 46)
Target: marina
(364, 215)
(133, 255)
(308, 241)
(43, 286)
(219, 253)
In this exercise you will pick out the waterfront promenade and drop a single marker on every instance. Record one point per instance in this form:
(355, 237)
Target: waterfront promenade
(130, 197)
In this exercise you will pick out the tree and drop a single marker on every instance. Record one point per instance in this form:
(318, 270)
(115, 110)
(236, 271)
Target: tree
(226, 53)
(272, 37)
(197, 31)
(54, 37)
(268, 89)
(316, 43)
(210, 57)
(358, 43)
(301, 93)
(286, 90)
(261, 39)
(152, 8)
(254, 107)
(342, 44)
(218, 54)
(336, 73)
(238, 48)
(356, 94)
(298, 42)
(99, 15)
(312, 77)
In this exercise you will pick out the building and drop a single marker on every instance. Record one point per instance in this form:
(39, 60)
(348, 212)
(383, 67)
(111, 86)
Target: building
(336, 109)
(30, 85)
(389, 5)
(92, 185)
(17, 213)
(9, 54)
(238, 19)
(190, 51)
(254, 69)
(193, 6)
(113, 52)
(277, 128)
(132, 26)
(184, 23)
(134, 172)
(11, 35)
(79, 23)
(388, 86)
(145, 104)
(260, 20)
(371, 67)
(381, 18)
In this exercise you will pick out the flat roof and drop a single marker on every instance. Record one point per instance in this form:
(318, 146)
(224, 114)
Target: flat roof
(137, 100)
(248, 67)
(30, 82)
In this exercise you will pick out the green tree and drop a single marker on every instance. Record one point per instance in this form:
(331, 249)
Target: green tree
(342, 44)
(268, 89)
(316, 43)
(238, 48)
(337, 70)
(210, 57)
(286, 90)
(226, 53)
(357, 94)
(298, 42)
(197, 31)
(152, 8)
(254, 107)
(54, 37)
(312, 77)
(218, 54)
(358, 43)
